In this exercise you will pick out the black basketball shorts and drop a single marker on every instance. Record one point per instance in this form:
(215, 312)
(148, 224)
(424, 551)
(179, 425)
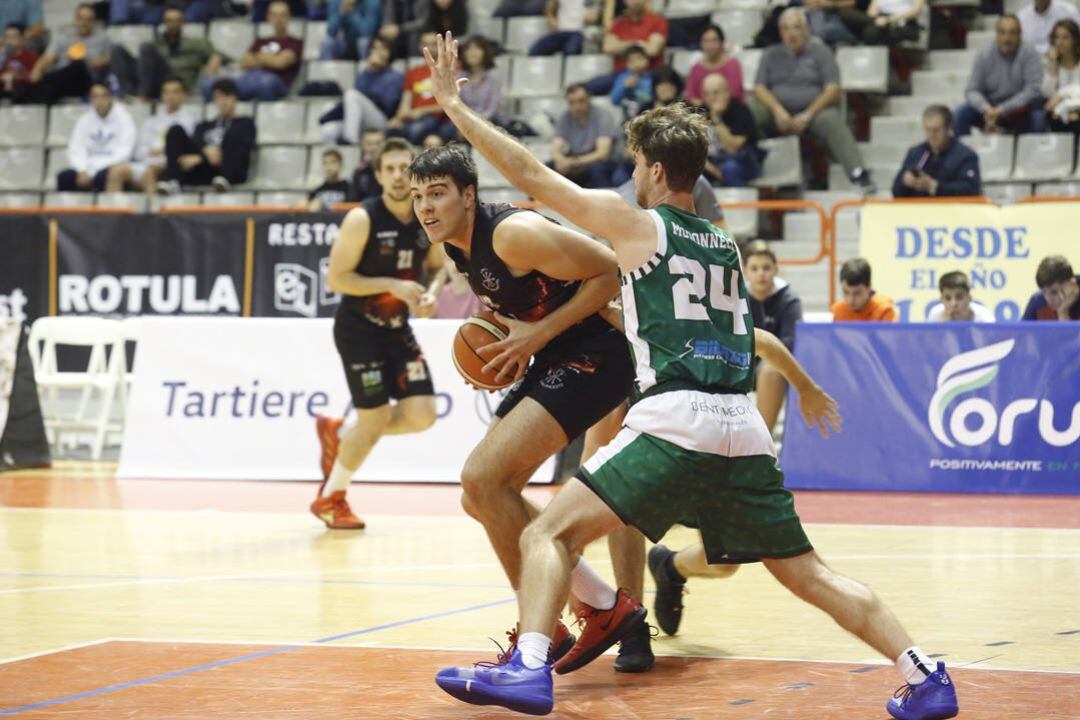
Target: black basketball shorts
(380, 363)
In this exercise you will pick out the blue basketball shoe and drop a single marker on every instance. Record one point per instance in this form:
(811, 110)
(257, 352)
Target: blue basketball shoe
(933, 699)
(510, 684)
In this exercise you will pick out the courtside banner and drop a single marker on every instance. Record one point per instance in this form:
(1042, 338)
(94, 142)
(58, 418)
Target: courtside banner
(958, 407)
(910, 246)
(223, 398)
(151, 265)
(292, 253)
(24, 267)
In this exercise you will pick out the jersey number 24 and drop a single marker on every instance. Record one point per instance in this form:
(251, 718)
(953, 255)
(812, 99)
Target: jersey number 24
(689, 292)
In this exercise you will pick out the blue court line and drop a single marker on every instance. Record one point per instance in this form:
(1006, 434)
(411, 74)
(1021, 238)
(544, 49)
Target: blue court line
(252, 656)
(284, 579)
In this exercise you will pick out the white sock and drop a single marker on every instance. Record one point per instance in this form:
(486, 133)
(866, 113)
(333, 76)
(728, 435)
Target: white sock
(914, 665)
(590, 588)
(340, 477)
(534, 649)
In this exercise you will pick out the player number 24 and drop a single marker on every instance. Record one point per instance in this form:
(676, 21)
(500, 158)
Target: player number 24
(689, 294)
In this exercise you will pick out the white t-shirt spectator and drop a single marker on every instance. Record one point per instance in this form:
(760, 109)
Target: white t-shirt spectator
(100, 142)
(981, 312)
(152, 137)
(1035, 28)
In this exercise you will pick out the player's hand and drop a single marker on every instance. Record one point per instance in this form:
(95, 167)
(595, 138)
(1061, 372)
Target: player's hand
(408, 292)
(613, 315)
(445, 84)
(819, 409)
(510, 358)
(426, 307)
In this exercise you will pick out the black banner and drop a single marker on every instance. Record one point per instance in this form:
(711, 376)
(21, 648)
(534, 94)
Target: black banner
(24, 267)
(292, 253)
(151, 265)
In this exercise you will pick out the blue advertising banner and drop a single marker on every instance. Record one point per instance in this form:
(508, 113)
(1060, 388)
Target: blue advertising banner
(955, 407)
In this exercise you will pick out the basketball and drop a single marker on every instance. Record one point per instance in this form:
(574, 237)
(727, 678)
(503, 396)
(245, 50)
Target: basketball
(476, 332)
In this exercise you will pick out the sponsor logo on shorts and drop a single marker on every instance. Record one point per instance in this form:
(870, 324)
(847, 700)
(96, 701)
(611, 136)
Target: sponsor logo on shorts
(372, 381)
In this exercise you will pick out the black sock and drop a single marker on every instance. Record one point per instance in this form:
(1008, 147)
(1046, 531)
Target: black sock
(672, 572)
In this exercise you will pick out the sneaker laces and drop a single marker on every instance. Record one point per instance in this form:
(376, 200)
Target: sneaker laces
(903, 692)
(504, 654)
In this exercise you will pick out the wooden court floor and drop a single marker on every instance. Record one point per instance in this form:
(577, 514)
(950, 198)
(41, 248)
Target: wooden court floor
(129, 599)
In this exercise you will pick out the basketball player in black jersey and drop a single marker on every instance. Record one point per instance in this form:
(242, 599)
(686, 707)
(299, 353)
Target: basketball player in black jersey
(550, 285)
(376, 263)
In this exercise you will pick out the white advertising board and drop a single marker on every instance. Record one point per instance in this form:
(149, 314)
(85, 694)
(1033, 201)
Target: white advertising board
(235, 399)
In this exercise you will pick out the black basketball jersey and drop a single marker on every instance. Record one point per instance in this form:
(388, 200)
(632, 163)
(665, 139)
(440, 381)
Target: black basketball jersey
(529, 297)
(395, 250)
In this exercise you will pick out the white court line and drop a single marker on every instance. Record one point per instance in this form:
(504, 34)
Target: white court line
(432, 648)
(64, 648)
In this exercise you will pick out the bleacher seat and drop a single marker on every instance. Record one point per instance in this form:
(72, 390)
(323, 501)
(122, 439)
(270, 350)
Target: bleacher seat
(532, 76)
(939, 83)
(882, 153)
(228, 199)
(914, 105)
(280, 122)
(741, 222)
(1006, 193)
(280, 167)
(995, 153)
(739, 26)
(343, 72)
(756, 5)
(863, 69)
(1061, 189)
(62, 119)
(482, 8)
(492, 28)
(1044, 156)
(282, 198)
(315, 110)
(140, 113)
(502, 68)
(296, 29)
(682, 60)
(68, 199)
(691, 8)
(522, 32)
(980, 39)
(960, 60)
(56, 161)
(314, 34)
(350, 155)
(802, 236)
(783, 164)
(134, 201)
(580, 68)
(488, 176)
(882, 174)
(749, 58)
(541, 113)
(232, 37)
(244, 108)
(20, 200)
(196, 31)
(130, 37)
(23, 125)
(182, 199)
(902, 131)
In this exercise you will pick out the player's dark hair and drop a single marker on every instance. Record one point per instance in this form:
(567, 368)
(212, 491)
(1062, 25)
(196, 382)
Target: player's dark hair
(855, 271)
(394, 144)
(451, 161)
(1053, 269)
(954, 280)
(226, 86)
(332, 153)
(674, 136)
(758, 247)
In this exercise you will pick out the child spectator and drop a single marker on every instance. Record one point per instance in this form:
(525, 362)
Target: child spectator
(633, 90)
(1059, 292)
(956, 305)
(18, 63)
(333, 190)
(861, 303)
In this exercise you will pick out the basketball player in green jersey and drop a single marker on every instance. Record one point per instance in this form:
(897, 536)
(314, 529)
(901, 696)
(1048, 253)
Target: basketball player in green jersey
(693, 446)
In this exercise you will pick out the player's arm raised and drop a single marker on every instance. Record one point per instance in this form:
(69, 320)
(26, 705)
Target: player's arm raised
(601, 212)
(345, 255)
(528, 240)
(816, 406)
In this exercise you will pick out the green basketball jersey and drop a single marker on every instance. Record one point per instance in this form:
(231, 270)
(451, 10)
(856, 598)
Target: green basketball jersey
(685, 310)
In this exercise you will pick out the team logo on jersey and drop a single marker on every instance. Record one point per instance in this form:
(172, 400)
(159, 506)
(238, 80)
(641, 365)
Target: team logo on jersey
(489, 281)
(714, 350)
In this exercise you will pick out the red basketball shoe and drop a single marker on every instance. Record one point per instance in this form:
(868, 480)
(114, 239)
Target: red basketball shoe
(335, 511)
(601, 629)
(327, 429)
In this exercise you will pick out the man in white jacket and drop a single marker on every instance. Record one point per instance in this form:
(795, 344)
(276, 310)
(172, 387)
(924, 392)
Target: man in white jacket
(103, 139)
(149, 159)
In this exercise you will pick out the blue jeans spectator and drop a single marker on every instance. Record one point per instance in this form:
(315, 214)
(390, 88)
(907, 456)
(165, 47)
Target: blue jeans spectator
(601, 84)
(1031, 119)
(597, 174)
(567, 42)
(252, 85)
(123, 12)
(338, 48)
(416, 130)
(827, 25)
(65, 181)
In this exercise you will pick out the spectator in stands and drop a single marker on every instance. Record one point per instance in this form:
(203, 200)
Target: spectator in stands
(633, 90)
(1003, 92)
(636, 26)
(76, 57)
(797, 90)
(403, 21)
(150, 12)
(568, 20)
(418, 113)
(483, 92)
(148, 162)
(956, 304)
(826, 18)
(172, 55)
(270, 65)
(448, 16)
(433, 140)
(1038, 20)
(312, 9)
(941, 165)
(364, 184)
(218, 153)
(734, 159)
(776, 309)
(102, 141)
(18, 62)
(1059, 292)
(584, 138)
(1061, 80)
(667, 87)
(705, 202)
(886, 22)
(375, 99)
(334, 190)
(716, 61)
(350, 25)
(28, 15)
(861, 303)
(519, 8)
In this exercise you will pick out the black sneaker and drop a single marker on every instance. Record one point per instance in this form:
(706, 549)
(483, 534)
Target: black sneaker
(635, 651)
(669, 591)
(862, 181)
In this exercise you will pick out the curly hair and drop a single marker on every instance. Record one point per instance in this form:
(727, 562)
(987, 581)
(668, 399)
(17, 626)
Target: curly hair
(675, 136)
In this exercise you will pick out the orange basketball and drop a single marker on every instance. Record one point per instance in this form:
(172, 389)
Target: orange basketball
(476, 332)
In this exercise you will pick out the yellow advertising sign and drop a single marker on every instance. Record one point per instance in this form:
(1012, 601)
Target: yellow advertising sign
(910, 245)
